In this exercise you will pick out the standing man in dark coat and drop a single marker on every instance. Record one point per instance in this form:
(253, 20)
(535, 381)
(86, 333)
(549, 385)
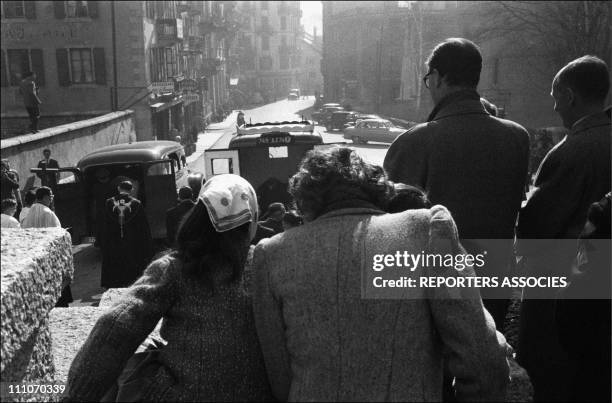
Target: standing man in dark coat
(467, 160)
(126, 241)
(48, 178)
(572, 176)
(29, 91)
(176, 214)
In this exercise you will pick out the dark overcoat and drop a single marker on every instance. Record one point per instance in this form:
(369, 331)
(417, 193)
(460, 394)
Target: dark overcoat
(572, 176)
(127, 246)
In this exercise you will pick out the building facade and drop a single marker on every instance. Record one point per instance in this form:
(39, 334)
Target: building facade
(269, 47)
(163, 59)
(311, 52)
(362, 49)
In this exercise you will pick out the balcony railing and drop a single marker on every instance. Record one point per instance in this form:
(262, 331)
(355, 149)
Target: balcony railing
(169, 30)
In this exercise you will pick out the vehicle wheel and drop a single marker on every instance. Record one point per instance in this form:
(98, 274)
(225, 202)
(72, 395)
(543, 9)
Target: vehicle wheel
(356, 140)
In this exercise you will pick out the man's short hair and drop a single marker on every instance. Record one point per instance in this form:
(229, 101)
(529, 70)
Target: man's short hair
(125, 185)
(185, 193)
(46, 150)
(27, 74)
(458, 60)
(6, 204)
(587, 76)
(43, 191)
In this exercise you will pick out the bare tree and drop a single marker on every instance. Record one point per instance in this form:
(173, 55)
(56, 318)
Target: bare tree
(562, 30)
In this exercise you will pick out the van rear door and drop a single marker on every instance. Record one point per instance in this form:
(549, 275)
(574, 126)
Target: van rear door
(160, 194)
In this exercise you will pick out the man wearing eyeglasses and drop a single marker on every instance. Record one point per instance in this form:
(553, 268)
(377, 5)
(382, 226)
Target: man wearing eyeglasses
(471, 162)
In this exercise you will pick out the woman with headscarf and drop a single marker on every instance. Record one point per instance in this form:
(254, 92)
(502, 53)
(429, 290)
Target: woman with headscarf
(212, 352)
(328, 334)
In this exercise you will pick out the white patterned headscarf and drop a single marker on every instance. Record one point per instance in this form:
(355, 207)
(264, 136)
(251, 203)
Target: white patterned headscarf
(231, 201)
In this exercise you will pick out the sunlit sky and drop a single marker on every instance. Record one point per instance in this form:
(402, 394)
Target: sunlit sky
(312, 16)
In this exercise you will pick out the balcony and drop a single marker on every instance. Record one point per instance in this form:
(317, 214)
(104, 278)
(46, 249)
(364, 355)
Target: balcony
(169, 31)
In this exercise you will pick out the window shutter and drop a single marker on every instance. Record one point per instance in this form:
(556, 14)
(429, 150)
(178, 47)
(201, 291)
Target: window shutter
(30, 9)
(63, 74)
(37, 66)
(3, 71)
(92, 9)
(100, 66)
(60, 10)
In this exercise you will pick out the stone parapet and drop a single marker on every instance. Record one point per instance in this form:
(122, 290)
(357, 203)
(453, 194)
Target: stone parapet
(36, 263)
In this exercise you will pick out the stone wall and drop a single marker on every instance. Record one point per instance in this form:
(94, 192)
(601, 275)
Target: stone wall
(36, 264)
(68, 143)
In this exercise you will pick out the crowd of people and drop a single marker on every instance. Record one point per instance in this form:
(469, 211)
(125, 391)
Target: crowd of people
(271, 307)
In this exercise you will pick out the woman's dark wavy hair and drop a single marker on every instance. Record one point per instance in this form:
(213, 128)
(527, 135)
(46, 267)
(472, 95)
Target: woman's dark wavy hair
(330, 177)
(202, 249)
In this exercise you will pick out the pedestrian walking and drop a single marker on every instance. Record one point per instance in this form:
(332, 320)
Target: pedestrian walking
(9, 207)
(322, 341)
(49, 179)
(176, 213)
(212, 352)
(572, 176)
(125, 238)
(469, 161)
(31, 101)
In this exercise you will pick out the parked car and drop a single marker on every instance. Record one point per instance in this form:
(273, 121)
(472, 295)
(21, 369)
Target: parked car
(359, 117)
(325, 112)
(339, 119)
(294, 95)
(372, 130)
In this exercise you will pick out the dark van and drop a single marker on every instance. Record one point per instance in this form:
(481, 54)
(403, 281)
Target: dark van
(155, 167)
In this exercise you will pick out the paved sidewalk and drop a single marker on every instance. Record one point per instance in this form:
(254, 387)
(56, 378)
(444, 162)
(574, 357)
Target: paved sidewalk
(209, 137)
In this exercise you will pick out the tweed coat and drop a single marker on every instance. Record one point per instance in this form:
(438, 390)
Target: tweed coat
(323, 342)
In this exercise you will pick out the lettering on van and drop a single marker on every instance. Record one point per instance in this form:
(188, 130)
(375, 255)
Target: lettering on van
(275, 138)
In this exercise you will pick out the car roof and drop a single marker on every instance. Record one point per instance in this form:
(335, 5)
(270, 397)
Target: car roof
(129, 153)
(332, 104)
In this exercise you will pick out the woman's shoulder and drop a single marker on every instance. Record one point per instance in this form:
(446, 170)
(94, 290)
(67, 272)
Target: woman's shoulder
(165, 267)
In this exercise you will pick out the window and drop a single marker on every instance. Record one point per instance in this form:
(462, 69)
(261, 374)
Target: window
(81, 69)
(164, 64)
(22, 60)
(283, 60)
(283, 23)
(77, 9)
(150, 9)
(264, 5)
(14, 9)
(265, 42)
(81, 66)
